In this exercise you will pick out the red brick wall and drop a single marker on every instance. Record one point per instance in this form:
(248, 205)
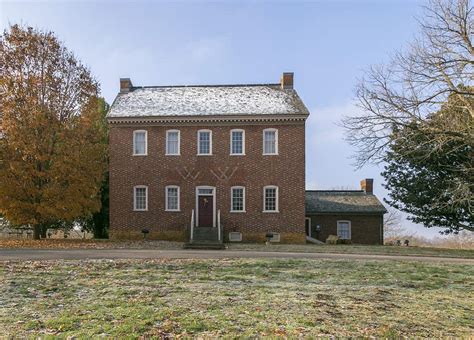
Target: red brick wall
(254, 171)
(365, 229)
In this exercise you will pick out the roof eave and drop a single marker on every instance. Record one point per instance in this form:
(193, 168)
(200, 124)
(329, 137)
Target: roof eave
(381, 212)
(209, 118)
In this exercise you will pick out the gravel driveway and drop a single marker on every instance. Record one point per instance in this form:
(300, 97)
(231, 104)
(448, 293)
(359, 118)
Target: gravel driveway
(84, 254)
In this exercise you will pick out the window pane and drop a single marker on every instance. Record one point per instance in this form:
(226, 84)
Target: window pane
(172, 146)
(238, 199)
(139, 143)
(270, 142)
(140, 198)
(237, 142)
(343, 230)
(172, 202)
(204, 142)
(270, 199)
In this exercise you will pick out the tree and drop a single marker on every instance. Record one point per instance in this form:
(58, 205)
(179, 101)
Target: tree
(53, 158)
(392, 226)
(98, 222)
(423, 100)
(432, 180)
(417, 81)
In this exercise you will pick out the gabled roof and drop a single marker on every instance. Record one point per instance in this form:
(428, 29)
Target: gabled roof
(342, 201)
(179, 101)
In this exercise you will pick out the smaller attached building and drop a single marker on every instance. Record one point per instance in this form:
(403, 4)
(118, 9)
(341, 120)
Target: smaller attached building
(351, 214)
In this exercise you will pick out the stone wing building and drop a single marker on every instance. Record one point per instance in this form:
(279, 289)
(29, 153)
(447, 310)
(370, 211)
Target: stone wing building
(208, 162)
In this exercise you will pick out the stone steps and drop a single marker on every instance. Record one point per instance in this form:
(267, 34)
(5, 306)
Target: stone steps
(205, 234)
(204, 245)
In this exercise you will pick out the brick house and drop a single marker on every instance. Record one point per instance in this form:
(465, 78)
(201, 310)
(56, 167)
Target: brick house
(356, 215)
(193, 161)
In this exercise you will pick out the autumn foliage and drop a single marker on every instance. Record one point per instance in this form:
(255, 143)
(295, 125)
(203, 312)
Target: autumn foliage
(52, 154)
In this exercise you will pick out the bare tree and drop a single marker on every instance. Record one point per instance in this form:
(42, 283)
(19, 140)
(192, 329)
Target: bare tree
(417, 82)
(392, 226)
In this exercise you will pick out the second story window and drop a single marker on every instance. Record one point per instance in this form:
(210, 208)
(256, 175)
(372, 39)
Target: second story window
(172, 142)
(237, 142)
(270, 142)
(204, 142)
(139, 143)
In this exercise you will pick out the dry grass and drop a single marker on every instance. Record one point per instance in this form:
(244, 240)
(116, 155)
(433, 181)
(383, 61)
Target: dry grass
(205, 298)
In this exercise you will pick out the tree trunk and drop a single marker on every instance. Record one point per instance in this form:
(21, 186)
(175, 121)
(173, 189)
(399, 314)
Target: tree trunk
(36, 232)
(44, 229)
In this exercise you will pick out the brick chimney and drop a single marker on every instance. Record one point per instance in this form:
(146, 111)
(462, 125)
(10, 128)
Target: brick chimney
(367, 185)
(125, 85)
(287, 80)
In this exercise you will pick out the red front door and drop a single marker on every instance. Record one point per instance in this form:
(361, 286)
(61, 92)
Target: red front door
(206, 210)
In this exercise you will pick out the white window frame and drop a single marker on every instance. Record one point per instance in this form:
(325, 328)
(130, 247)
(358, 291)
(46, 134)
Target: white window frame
(135, 132)
(166, 197)
(276, 200)
(276, 142)
(135, 197)
(199, 143)
(350, 228)
(232, 199)
(179, 143)
(243, 142)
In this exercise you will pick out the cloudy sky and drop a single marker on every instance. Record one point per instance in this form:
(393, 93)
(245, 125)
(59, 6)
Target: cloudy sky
(327, 44)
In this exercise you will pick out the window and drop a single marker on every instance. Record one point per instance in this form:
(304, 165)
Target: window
(270, 199)
(172, 142)
(344, 230)
(140, 198)
(270, 142)
(139, 143)
(205, 191)
(237, 203)
(172, 198)
(204, 142)
(237, 142)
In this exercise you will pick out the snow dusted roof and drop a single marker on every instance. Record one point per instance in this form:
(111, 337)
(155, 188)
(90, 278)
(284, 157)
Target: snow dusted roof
(159, 101)
(342, 201)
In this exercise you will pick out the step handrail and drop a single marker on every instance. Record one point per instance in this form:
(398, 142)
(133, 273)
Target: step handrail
(219, 225)
(192, 224)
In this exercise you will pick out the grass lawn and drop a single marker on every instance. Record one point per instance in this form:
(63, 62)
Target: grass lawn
(235, 298)
(357, 249)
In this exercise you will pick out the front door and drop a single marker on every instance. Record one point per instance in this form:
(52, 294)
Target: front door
(206, 210)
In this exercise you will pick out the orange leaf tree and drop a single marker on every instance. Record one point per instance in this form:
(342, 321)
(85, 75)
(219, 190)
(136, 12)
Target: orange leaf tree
(52, 154)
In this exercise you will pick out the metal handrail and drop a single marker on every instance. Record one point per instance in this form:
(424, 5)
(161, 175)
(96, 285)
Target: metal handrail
(219, 225)
(192, 224)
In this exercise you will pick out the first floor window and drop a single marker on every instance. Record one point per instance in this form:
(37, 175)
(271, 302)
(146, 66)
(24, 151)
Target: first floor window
(172, 198)
(172, 142)
(344, 230)
(238, 199)
(140, 198)
(270, 199)
(204, 142)
(139, 142)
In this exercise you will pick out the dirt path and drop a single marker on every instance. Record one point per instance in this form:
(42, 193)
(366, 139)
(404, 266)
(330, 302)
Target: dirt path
(84, 254)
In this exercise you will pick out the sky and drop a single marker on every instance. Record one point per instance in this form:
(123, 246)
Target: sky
(327, 44)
